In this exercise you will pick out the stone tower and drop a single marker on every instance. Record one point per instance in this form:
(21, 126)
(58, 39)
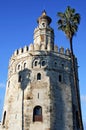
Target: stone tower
(40, 91)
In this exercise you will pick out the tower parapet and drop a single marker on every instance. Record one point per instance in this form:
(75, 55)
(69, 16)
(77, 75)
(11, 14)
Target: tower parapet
(33, 48)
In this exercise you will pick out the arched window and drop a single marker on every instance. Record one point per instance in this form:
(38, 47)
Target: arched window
(18, 67)
(43, 63)
(24, 65)
(43, 24)
(37, 113)
(38, 76)
(4, 118)
(35, 63)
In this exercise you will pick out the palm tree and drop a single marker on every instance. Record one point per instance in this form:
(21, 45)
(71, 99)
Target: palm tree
(68, 22)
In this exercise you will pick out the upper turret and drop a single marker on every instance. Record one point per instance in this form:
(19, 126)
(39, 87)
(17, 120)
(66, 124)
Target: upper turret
(44, 20)
(44, 34)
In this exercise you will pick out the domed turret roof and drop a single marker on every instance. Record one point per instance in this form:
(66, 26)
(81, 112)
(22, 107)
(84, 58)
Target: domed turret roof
(44, 17)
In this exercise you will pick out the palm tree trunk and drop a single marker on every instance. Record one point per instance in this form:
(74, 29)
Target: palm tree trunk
(75, 85)
(22, 109)
(71, 46)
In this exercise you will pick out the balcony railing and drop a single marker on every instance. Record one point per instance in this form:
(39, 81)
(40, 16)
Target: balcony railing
(37, 118)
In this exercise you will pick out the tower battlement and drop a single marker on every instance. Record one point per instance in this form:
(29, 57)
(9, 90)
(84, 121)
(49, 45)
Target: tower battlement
(33, 48)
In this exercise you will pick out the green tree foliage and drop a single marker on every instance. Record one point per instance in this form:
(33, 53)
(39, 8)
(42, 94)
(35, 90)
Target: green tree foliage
(68, 22)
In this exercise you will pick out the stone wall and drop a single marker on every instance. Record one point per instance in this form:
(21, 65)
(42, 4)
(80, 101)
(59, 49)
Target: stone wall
(52, 91)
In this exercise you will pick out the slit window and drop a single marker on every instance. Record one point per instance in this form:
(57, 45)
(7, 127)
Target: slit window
(35, 63)
(38, 95)
(62, 65)
(18, 67)
(55, 64)
(4, 118)
(20, 78)
(60, 78)
(38, 76)
(24, 65)
(9, 84)
(37, 113)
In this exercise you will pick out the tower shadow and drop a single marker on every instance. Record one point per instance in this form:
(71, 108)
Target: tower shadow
(57, 113)
(24, 79)
(57, 103)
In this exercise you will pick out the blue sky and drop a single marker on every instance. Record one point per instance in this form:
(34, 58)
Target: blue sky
(17, 23)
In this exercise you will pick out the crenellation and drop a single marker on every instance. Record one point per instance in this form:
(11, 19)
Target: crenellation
(26, 48)
(67, 51)
(61, 50)
(31, 47)
(23, 52)
(16, 52)
(55, 48)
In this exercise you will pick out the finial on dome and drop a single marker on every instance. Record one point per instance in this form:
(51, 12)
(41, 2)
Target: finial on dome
(44, 13)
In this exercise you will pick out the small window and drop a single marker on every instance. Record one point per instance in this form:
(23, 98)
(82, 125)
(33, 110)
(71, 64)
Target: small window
(62, 65)
(60, 78)
(38, 95)
(36, 63)
(22, 50)
(20, 78)
(37, 113)
(18, 67)
(38, 76)
(55, 64)
(43, 24)
(4, 118)
(24, 65)
(43, 63)
(9, 84)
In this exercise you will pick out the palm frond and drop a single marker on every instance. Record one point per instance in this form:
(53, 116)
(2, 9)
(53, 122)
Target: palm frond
(68, 21)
